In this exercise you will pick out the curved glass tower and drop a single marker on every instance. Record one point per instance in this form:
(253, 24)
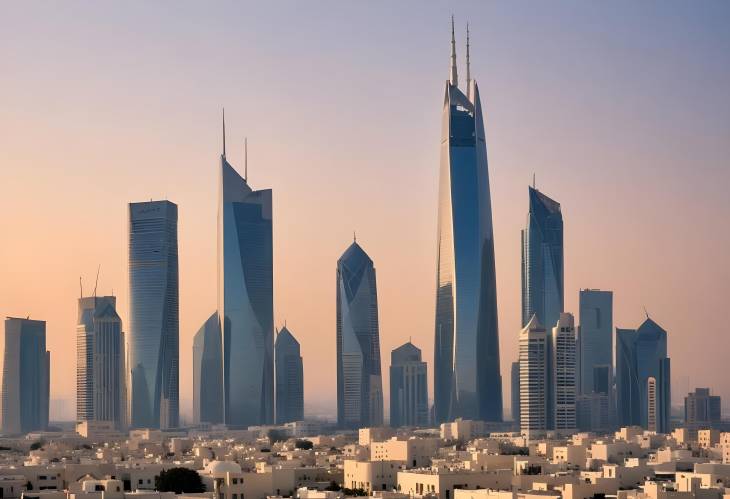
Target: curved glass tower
(245, 299)
(359, 383)
(153, 318)
(542, 260)
(289, 378)
(467, 380)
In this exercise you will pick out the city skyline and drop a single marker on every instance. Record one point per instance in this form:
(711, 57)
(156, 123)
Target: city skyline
(593, 252)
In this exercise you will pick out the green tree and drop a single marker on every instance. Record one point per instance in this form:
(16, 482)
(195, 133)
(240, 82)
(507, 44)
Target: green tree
(179, 481)
(304, 444)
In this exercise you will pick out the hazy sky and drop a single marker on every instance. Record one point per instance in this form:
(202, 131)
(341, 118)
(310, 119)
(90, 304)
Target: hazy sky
(621, 110)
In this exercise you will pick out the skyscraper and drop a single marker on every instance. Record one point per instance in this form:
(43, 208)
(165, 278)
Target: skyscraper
(153, 315)
(245, 298)
(533, 378)
(207, 372)
(643, 377)
(408, 387)
(564, 374)
(100, 362)
(702, 410)
(359, 383)
(467, 380)
(26, 378)
(542, 274)
(289, 378)
(542, 260)
(595, 340)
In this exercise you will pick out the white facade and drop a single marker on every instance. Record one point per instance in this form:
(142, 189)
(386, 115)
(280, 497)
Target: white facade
(533, 378)
(564, 373)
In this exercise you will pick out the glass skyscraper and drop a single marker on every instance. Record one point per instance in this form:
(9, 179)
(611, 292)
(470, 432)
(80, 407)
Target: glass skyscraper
(595, 341)
(542, 260)
(153, 315)
(245, 299)
(467, 380)
(100, 362)
(408, 387)
(207, 371)
(289, 378)
(643, 377)
(26, 378)
(359, 383)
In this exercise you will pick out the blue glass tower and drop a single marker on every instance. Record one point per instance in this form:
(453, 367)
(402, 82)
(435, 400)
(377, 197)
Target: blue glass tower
(26, 379)
(207, 371)
(595, 337)
(245, 299)
(542, 261)
(153, 315)
(467, 380)
(643, 377)
(289, 378)
(359, 383)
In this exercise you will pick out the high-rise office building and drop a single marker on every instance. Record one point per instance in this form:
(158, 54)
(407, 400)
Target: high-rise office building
(467, 380)
(359, 382)
(408, 387)
(564, 373)
(245, 298)
(542, 274)
(533, 378)
(289, 378)
(702, 410)
(643, 377)
(207, 373)
(153, 315)
(100, 362)
(542, 260)
(26, 378)
(515, 376)
(595, 340)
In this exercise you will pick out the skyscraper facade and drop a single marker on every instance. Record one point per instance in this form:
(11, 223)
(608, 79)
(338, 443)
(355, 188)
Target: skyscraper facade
(533, 378)
(207, 372)
(595, 340)
(245, 299)
(643, 375)
(153, 315)
(408, 387)
(564, 374)
(702, 410)
(359, 382)
(542, 260)
(26, 378)
(289, 378)
(100, 362)
(467, 380)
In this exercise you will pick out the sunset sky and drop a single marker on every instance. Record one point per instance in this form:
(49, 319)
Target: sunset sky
(620, 109)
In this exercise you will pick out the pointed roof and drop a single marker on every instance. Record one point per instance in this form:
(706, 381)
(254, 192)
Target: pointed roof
(649, 327)
(405, 353)
(286, 341)
(533, 323)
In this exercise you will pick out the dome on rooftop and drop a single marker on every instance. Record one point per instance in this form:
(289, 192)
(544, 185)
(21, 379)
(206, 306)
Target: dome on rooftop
(222, 467)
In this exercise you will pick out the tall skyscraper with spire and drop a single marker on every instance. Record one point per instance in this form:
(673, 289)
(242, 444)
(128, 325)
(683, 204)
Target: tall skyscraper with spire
(542, 260)
(359, 381)
(154, 322)
(245, 298)
(467, 380)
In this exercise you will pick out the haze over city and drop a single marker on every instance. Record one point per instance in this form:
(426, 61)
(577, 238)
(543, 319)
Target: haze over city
(618, 111)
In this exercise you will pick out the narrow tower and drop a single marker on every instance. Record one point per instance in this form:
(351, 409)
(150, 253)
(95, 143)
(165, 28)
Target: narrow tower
(467, 380)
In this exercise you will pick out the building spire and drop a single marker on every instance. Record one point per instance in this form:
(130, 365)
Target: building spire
(245, 159)
(224, 132)
(453, 76)
(468, 69)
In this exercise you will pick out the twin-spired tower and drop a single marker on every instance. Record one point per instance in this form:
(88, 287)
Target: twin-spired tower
(467, 380)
